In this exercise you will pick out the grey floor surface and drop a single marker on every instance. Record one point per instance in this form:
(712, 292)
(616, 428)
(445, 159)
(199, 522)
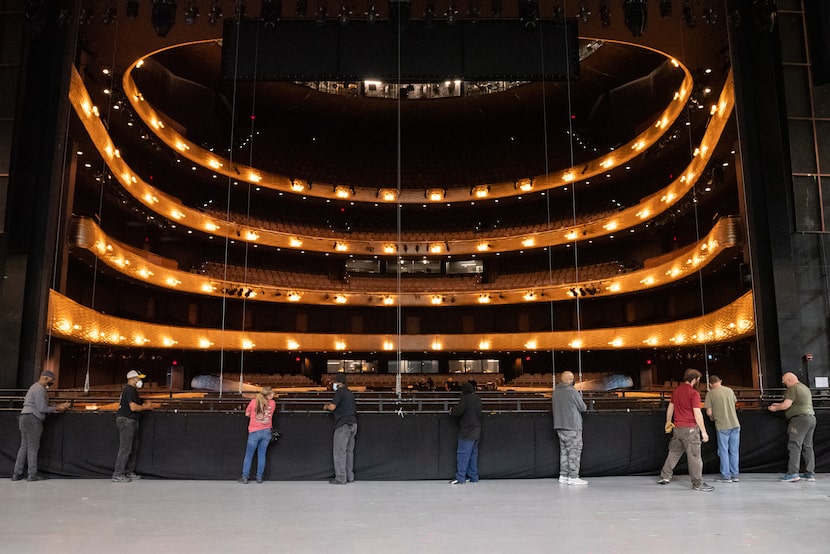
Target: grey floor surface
(611, 514)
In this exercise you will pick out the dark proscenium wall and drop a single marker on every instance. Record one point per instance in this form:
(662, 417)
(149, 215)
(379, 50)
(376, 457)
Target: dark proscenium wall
(388, 447)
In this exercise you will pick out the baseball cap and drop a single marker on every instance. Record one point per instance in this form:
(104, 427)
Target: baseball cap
(133, 373)
(47, 373)
(340, 378)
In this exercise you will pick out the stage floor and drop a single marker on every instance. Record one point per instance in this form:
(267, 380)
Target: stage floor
(611, 514)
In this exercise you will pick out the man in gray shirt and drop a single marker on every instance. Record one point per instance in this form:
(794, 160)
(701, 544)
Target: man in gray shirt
(568, 407)
(35, 407)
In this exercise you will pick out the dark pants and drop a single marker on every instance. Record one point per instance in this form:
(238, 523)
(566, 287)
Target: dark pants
(466, 461)
(800, 434)
(343, 452)
(31, 428)
(127, 446)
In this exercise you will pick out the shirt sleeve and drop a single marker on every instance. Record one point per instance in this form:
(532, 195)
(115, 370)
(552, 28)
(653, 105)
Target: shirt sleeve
(42, 402)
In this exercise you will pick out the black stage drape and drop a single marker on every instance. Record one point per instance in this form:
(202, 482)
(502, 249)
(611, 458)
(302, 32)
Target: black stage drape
(388, 447)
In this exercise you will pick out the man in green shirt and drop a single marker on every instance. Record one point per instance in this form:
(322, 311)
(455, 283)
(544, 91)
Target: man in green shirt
(720, 407)
(801, 423)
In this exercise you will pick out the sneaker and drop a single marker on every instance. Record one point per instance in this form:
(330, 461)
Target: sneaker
(577, 481)
(243, 480)
(723, 480)
(121, 479)
(17, 477)
(703, 487)
(336, 482)
(563, 479)
(664, 481)
(736, 480)
(790, 477)
(134, 476)
(37, 477)
(807, 476)
(259, 480)
(456, 482)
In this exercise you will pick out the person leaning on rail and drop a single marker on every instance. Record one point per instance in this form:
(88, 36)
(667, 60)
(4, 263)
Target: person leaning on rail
(35, 407)
(130, 407)
(797, 406)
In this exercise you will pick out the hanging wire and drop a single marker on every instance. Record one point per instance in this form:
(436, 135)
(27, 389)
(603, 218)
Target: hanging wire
(399, 235)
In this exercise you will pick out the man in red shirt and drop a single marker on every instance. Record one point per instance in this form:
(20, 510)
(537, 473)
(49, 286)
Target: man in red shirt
(688, 430)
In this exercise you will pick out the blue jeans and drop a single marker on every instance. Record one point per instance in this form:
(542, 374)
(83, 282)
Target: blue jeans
(729, 445)
(466, 458)
(258, 440)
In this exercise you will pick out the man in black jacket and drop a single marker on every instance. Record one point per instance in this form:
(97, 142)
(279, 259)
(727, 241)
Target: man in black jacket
(468, 410)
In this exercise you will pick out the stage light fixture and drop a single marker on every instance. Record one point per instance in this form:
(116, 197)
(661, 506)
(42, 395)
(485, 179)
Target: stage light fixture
(109, 15)
(270, 12)
(164, 16)
(191, 13)
(215, 13)
(584, 12)
(371, 13)
(529, 13)
(429, 15)
(322, 13)
(604, 14)
(451, 14)
(474, 12)
(495, 8)
(558, 11)
(635, 13)
(345, 14)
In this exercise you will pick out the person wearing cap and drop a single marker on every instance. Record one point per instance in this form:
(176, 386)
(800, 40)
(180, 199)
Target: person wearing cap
(343, 407)
(35, 407)
(720, 407)
(797, 406)
(468, 412)
(129, 410)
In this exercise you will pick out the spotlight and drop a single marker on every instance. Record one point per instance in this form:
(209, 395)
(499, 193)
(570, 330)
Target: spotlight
(710, 16)
(163, 16)
(475, 11)
(584, 12)
(429, 15)
(215, 13)
(270, 12)
(132, 9)
(635, 13)
(451, 13)
(322, 13)
(191, 13)
(345, 14)
(604, 14)
(371, 13)
(109, 15)
(665, 8)
(558, 11)
(495, 8)
(529, 13)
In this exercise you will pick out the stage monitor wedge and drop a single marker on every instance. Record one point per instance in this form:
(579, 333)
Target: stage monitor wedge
(302, 50)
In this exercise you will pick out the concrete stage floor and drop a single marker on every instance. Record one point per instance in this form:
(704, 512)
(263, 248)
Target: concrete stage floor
(611, 514)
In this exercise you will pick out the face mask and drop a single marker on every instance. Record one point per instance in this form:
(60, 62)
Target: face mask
(49, 384)
(139, 384)
(335, 386)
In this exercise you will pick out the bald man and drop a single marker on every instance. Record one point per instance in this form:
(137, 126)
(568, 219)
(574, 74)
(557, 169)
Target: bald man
(797, 405)
(568, 407)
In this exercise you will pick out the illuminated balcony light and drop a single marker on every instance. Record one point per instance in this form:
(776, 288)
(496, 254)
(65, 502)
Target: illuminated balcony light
(436, 345)
(524, 185)
(150, 199)
(293, 345)
(145, 273)
(139, 339)
(211, 226)
(156, 123)
(607, 163)
(247, 344)
(299, 185)
(215, 164)
(576, 343)
(435, 195)
(172, 281)
(527, 242)
(182, 146)
(677, 95)
(388, 195)
(616, 342)
(388, 248)
(254, 177)
(647, 281)
(484, 345)
(435, 248)
(207, 287)
(610, 226)
(167, 341)
(436, 299)
(568, 176)
(675, 63)
(294, 242)
(86, 108)
(294, 297)
(388, 345)
(176, 214)
(531, 344)
(139, 63)
(340, 345)
(205, 343)
(251, 235)
(529, 296)
(571, 235)
(108, 150)
(341, 246)
(644, 213)
(342, 191)
(614, 287)
(388, 300)
(744, 324)
(109, 248)
(340, 299)
(481, 191)
(483, 246)
(64, 326)
(97, 113)
(651, 341)
(484, 299)
(661, 124)
(696, 152)
(722, 107)
(638, 145)
(713, 110)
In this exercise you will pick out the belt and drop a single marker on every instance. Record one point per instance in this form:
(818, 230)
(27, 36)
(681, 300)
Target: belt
(801, 415)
